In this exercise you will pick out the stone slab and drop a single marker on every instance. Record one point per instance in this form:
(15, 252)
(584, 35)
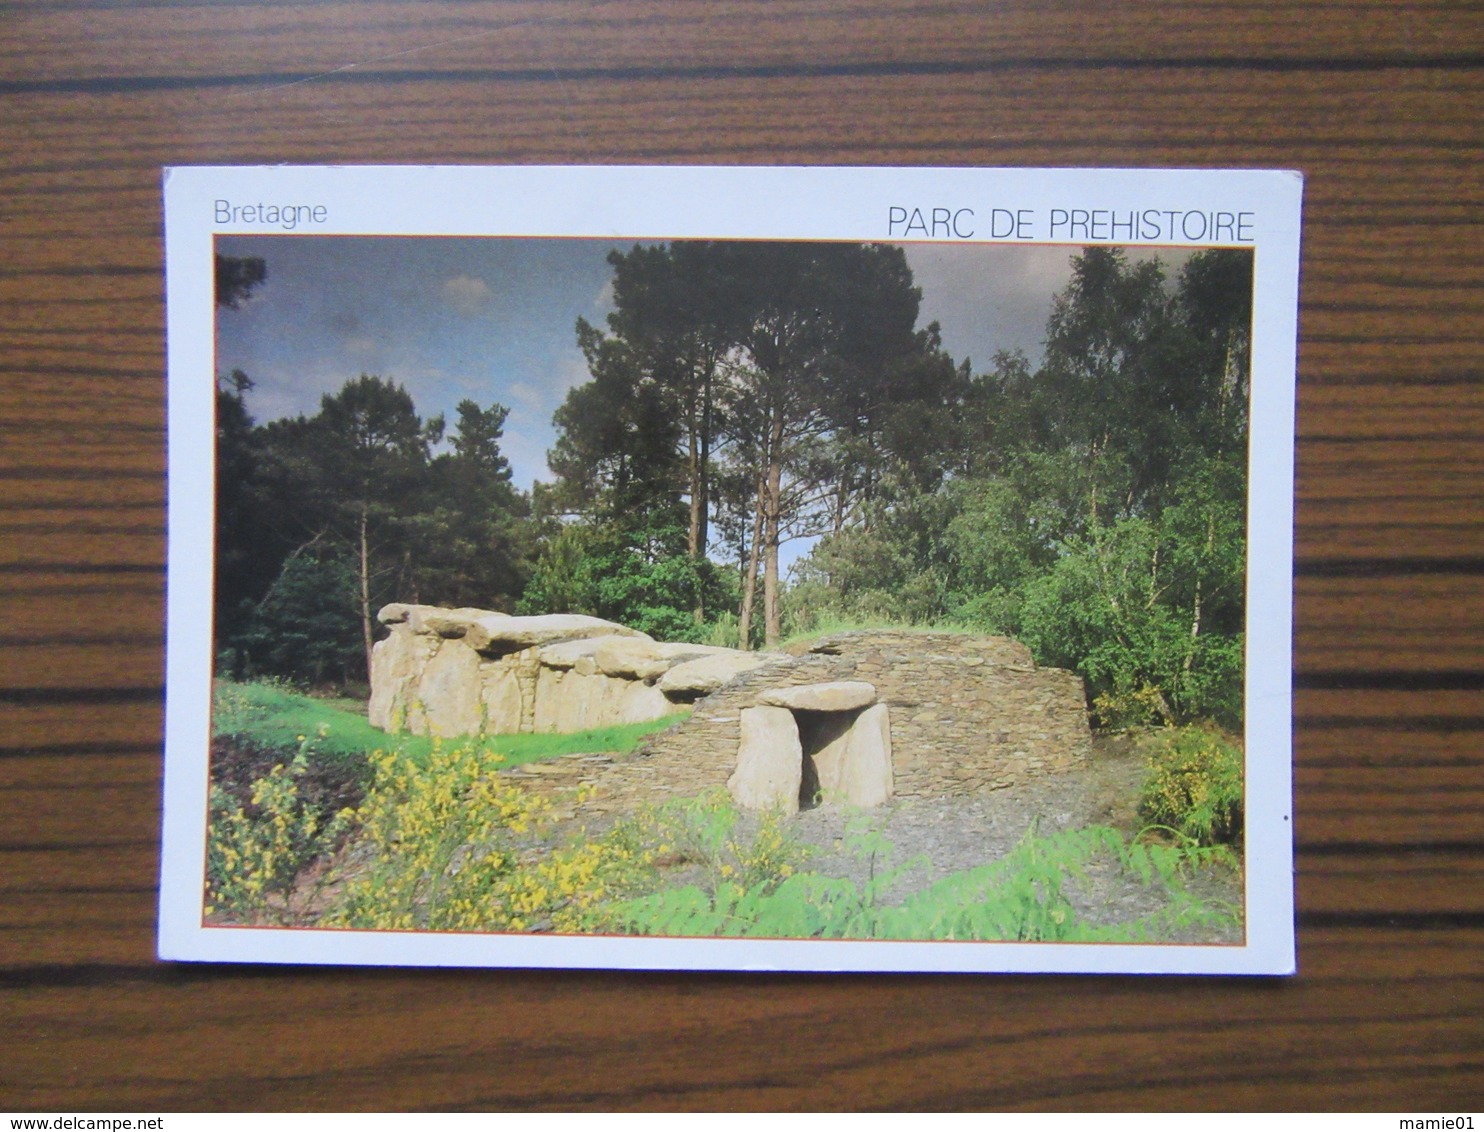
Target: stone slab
(499, 633)
(450, 691)
(702, 677)
(630, 658)
(837, 695)
(568, 653)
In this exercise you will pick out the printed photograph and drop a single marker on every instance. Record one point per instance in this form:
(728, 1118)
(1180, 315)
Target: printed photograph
(778, 590)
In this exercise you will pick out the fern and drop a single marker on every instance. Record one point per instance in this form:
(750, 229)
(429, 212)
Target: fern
(1021, 897)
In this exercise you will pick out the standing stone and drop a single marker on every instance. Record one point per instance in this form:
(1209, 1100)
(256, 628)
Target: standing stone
(397, 664)
(830, 734)
(500, 693)
(770, 761)
(865, 770)
(565, 700)
(639, 702)
(450, 689)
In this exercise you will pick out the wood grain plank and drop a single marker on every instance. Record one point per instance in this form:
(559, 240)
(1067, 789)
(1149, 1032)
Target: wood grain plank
(1381, 105)
(225, 44)
(611, 1040)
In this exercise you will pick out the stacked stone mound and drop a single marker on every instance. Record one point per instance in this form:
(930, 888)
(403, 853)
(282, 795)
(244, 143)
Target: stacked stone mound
(449, 672)
(967, 713)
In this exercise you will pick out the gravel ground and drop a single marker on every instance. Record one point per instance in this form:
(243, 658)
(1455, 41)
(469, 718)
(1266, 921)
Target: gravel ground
(936, 837)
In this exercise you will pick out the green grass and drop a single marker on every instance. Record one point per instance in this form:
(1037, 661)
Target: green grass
(829, 626)
(274, 716)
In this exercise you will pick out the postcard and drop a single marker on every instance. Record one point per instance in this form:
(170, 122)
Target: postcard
(811, 569)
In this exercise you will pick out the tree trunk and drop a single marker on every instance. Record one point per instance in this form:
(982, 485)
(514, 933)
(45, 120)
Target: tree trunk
(697, 506)
(1195, 617)
(703, 518)
(698, 455)
(772, 623)
(693, 470)
(749, 581)
(365, 564)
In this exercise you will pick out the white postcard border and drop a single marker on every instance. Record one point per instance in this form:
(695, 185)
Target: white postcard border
(637, 203)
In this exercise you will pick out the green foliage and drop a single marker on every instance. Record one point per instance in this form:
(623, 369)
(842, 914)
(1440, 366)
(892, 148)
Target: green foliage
(446, 845)
(635, 573)
(257, 849)
(861, 578)
(271, 716)
(1092, 505)
(1195, 785)
(321, 520)
(473, 535)
(306, 627)
(1022, 897)
(443, 842)
(436, 831)
(1098, 511)
(709, 831)
(236, 279)
(441, 838)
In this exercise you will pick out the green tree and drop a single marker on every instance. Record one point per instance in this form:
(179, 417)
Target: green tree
(237, 278)
(1110, 534)
(239, 560)
(822, 330)
(473, 537)
(345, 484)
(637, 574)
(1094, 506)
(306, 626)
(370, 448)
(674, 309)
(615, 453)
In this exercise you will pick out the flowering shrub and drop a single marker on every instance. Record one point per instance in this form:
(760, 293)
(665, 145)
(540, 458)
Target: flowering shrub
(255, 852)
(1195, 784)
(439, 843)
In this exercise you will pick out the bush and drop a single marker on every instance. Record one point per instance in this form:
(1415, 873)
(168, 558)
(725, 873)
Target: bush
(443, 838)
(1195, 784)
(263, 836)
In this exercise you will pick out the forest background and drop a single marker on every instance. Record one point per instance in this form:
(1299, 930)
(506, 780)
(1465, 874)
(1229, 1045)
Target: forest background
(744, 395)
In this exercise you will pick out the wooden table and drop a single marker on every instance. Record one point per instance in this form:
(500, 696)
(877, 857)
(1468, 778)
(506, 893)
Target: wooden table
(1379, 102)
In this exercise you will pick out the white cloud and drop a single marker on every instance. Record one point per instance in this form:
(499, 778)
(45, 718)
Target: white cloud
(603, 302)
(526, 396)
(466, 294)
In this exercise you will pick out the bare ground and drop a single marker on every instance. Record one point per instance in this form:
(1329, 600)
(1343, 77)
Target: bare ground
(936, 837)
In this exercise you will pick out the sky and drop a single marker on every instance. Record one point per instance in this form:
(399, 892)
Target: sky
(493, 319)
